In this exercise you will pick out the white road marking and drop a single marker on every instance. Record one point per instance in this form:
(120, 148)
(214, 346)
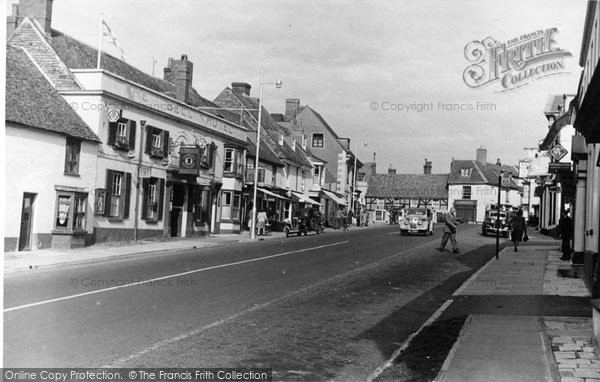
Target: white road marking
(122, 362)
(166, 277)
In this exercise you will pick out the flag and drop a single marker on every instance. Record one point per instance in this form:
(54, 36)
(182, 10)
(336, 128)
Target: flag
(107, 35)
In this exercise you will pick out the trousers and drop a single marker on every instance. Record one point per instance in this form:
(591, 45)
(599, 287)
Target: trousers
(452, 237)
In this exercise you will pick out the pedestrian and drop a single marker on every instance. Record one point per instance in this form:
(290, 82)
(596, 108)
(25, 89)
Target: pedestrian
(359, 217)
(338, 218)
(449, 231)
(261, 219)
(518, 229)
(350, 217)
(363, 218)
(344, 220)
(565, 228)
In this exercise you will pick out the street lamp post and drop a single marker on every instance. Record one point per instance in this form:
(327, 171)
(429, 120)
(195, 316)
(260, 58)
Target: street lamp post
(256, 158)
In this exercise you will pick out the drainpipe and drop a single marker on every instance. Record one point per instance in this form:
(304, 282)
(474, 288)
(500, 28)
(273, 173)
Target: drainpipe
(137, 187)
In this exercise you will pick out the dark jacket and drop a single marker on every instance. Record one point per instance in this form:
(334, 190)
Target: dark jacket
(565, 227)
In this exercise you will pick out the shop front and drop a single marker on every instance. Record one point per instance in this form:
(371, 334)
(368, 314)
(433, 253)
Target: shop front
(466, 210)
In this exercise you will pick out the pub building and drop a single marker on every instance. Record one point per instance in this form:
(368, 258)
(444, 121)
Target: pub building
(169, 163)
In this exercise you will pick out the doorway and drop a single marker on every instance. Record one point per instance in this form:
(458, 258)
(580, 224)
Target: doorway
(177, 202)
(25, 231)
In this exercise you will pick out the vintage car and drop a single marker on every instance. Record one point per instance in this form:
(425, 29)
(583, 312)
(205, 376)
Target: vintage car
(493, 224)
(417, 221)
(304, 220)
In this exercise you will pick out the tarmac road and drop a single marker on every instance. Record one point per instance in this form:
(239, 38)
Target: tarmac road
(317, 307)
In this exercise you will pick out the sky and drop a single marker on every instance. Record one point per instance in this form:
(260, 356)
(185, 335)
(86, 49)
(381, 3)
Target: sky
(355, 62)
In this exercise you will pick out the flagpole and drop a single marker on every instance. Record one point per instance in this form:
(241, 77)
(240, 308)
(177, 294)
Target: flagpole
(100, 42)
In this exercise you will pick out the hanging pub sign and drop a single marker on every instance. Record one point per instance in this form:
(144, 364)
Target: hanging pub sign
(189, 160)
(113, 113)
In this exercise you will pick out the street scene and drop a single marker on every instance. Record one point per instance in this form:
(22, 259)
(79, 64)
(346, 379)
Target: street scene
(253, 191)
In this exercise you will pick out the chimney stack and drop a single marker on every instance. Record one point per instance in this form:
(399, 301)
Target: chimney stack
(391, 170)
(11, 20)
(241, 88)
(179, 73)
(498, 163)
(481, 155)
(427, 167)
(292, 106)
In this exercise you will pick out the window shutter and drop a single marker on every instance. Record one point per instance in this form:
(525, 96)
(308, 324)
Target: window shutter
(210, 154)
(109, 189)
(146, 196)
(161, 197)
(149, 132)
(112, 133)
(131, 127)
(165, 142)
(127, 195)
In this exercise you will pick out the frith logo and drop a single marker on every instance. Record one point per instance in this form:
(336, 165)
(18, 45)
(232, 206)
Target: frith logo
(515, 63)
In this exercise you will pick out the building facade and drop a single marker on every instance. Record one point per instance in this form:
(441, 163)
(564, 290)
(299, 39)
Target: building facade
(165, 165)
(473, 187)
(586, 143)
(51, 161)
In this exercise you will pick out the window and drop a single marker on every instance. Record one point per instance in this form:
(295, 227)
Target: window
(207, 157)
(233, 163)
(71, 207)
(466, 192)
(317, 140)
(157, 142)
(118, 190)
(202, 206)
(152, 203)
(121, 134)
(466, 172)
(72, 156)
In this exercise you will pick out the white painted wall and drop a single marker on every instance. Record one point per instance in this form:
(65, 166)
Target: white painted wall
(35, 162)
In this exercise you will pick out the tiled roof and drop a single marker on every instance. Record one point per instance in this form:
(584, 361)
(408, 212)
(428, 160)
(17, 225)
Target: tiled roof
(479, 173)
(32, 101)
(79, 55)
(265, 154)
(274, 130)
(429, 186)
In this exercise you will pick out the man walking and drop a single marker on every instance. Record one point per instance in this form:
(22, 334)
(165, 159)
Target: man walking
(449, 231)
(565, 227)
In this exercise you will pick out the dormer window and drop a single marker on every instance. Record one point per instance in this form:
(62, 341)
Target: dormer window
(466, 172)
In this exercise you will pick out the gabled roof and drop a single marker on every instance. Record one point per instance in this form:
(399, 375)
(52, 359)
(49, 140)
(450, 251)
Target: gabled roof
(426, 186)
(327, 127)
(32, 101)
(480, 173)
(271, 129)
(79, 55)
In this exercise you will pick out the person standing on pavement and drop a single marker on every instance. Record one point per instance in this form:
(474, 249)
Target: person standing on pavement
(261, 220)
(344, 220)
(449, 231)
(518, 229)
(565, 228)
(350, 216)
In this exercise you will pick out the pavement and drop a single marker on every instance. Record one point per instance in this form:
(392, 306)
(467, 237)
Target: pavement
(530, 320)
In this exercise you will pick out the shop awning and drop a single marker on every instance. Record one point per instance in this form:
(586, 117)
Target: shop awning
(270, 193)
(305, 199)
(334, 197)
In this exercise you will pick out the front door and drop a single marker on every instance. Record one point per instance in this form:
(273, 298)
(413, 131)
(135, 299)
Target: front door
(26, 222)
(178, 200)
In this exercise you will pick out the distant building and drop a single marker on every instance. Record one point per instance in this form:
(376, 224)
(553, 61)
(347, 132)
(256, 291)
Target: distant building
(473, 187)
(391, 191)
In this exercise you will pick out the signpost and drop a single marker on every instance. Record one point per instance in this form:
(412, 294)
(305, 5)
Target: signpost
(503, 181)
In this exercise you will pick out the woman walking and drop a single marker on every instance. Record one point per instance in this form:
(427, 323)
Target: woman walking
(519, 228)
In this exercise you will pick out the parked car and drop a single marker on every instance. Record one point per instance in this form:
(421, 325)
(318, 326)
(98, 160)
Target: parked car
(304, 220)
(493, 224)
(417, 221)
